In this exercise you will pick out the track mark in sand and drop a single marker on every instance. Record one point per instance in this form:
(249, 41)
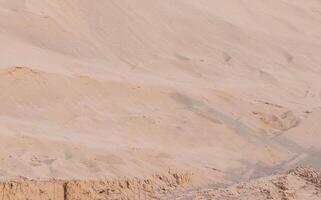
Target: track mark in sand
(213, 115)
(216, 170)
(268, 77)
(261, 169)
(227, 57)
(301, 156)
(49, 161)
(68, 155)
(110, 159)
(37, 161)
(308, 93)
(270, 104)
(288, 57)
(181, 57)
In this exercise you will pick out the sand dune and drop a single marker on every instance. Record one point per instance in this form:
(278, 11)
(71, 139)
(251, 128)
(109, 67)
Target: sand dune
(225, 90)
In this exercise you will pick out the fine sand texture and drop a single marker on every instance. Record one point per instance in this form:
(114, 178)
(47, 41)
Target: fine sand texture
(222, 90)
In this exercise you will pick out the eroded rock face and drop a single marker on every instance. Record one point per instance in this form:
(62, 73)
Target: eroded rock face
(23, 189)
(126, 188)
(299, 184)
(309, 174)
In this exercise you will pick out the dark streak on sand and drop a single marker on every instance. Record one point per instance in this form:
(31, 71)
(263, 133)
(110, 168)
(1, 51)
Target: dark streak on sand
(258, 169)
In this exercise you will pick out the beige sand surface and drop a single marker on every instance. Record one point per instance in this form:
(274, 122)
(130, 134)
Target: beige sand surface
(226, 90)
(301, 183)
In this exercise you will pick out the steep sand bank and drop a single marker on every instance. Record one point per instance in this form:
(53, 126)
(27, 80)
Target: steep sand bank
(226, 90)
(151, 188)
(299, 184)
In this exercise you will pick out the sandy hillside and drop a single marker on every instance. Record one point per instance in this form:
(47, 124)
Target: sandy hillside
(226, 90)
(299, 184)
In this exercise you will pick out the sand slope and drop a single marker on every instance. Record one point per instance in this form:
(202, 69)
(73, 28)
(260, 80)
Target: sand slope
(298, 184)
(225, 90)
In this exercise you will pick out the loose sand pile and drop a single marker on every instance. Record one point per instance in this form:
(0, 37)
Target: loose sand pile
(224, 90)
